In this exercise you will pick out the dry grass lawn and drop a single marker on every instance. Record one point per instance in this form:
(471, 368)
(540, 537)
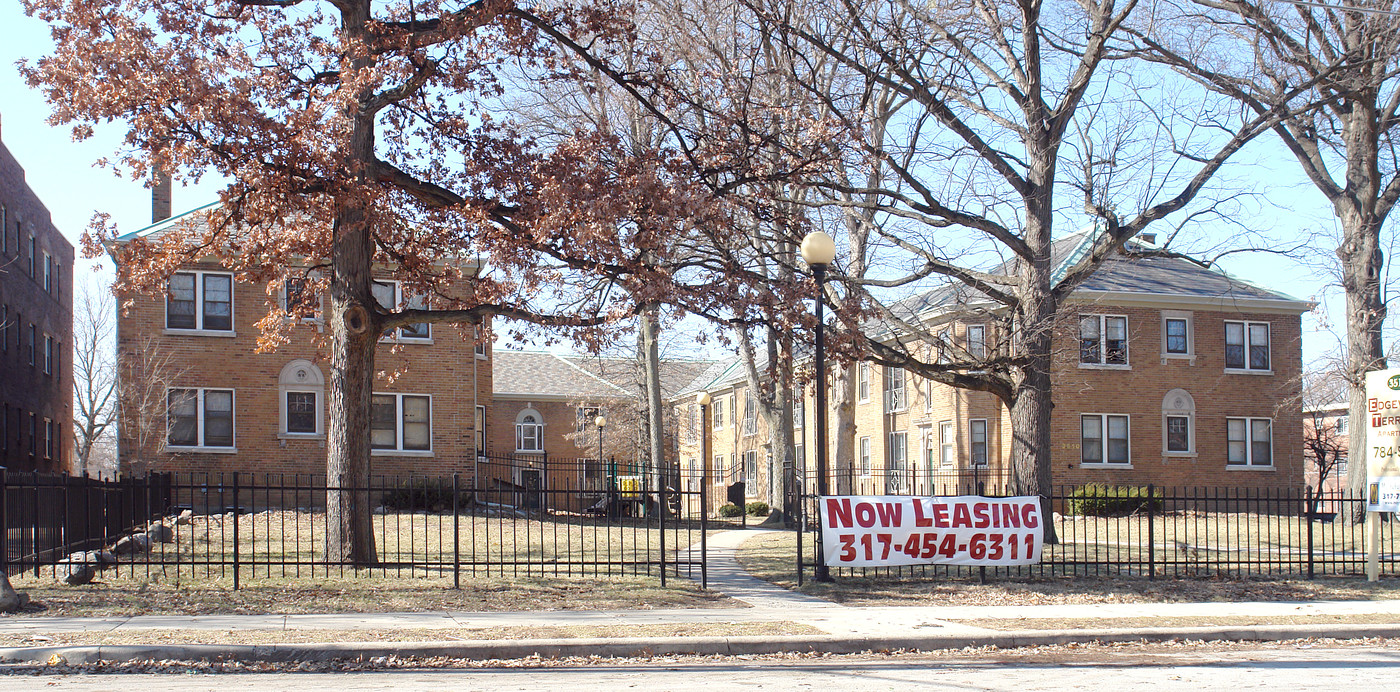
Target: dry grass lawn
(770, 557)
(138, 595)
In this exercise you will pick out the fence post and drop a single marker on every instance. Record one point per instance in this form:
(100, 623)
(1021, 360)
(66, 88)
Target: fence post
(34, 533)
(1308, 521)
(4, 520)
(1151, 532)
(456, 538)
(801, 489)
(235, 532)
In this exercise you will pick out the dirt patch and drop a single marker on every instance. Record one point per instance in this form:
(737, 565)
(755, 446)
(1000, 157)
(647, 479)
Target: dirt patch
(770, 557)
(139, 595)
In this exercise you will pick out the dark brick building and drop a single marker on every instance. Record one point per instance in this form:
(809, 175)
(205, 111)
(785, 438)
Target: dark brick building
(36, 329)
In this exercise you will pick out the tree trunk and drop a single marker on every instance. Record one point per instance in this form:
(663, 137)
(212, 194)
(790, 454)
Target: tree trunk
(843, 406)
(354, 333)
(349, 529)
(1362, 262)
(656, 428)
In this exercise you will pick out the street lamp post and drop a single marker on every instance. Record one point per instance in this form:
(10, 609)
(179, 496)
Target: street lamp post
(703, 398)
(818, 251)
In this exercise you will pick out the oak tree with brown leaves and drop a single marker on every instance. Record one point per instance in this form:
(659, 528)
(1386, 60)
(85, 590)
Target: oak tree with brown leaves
(365, 136)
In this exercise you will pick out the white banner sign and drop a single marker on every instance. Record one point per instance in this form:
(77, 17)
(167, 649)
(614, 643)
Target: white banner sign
(892, 530)
(1383, 441)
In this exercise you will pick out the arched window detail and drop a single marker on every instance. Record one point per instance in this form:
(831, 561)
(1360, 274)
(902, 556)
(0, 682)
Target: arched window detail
(301, 401)
(1178, 423)
(529, 431)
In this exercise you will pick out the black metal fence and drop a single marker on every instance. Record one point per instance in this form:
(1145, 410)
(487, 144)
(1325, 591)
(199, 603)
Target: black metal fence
(514, 516)
(1188, 532)
(45, 516)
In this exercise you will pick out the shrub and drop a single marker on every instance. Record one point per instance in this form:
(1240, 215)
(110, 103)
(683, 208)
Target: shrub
(1112, 500)
(757, 509)
(423, 494)
(730, 510)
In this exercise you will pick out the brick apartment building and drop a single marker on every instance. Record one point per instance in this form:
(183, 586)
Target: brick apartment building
(1164, 372)
(544, 421)
(36, 329)
(222, 407)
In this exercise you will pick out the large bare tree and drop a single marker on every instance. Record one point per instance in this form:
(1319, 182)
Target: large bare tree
(1345, 55)
(94, 374)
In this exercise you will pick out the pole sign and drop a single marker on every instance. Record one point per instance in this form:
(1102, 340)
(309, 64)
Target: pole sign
(894, 530)
(1383, 440)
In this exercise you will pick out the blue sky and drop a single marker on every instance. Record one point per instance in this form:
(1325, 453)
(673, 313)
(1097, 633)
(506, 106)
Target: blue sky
(63, 174)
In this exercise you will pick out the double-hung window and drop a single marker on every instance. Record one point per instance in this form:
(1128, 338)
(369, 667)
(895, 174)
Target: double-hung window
(200, 418)
(1103, 439)
(586, 418)
(1249, 442)
(391, 295)
(895, 399)
(1103, 340)
(799, 408)
(1176, 334)
(947, 444)
(48, 355)
(401, 423)
(299, 299)
(48, 273)
(1247, 346)
(865, 469)
(977, 341)
(32, 339)
(863, 382)
(200, 301)
(977, 435)
(717, 414)
(750, 426)
(750, 469)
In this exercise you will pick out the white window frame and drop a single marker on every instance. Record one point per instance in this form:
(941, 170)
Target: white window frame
(896, 390)
(972, 443)
(402, 301)
(1103, 441)
(199, 412)
(863, 383)
(717, 414)
(1185, 409)
(33, 248)
(1249, 463)
(480, 348)
(864, 452)
(313, 382)
(1102, 363)
(947, 443)
(1184, 316)
(318, 306)
(48, 273)
(799, 408)
(1248, 344)
(750, 425)
(479, 423)
(586, 417)
(750, 463)
(719, 469)
(977, 348)
(398, 449)
(891, 462)
(520, 426)
(48, 354)
(199, 328)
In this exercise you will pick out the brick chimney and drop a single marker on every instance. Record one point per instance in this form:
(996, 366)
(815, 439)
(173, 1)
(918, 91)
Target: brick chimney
(160, 196)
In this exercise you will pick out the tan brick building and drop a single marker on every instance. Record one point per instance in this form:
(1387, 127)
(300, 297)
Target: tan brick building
(1164, 372)
(223, 407)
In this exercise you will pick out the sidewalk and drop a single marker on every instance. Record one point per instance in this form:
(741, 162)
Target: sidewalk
(846, 629)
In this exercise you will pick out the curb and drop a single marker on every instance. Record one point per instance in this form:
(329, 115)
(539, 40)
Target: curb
(675, 646)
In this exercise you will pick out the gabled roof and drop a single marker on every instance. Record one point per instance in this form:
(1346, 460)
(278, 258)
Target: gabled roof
(543, 375)
(1123, 276)
(195, 220)
(626, 373)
